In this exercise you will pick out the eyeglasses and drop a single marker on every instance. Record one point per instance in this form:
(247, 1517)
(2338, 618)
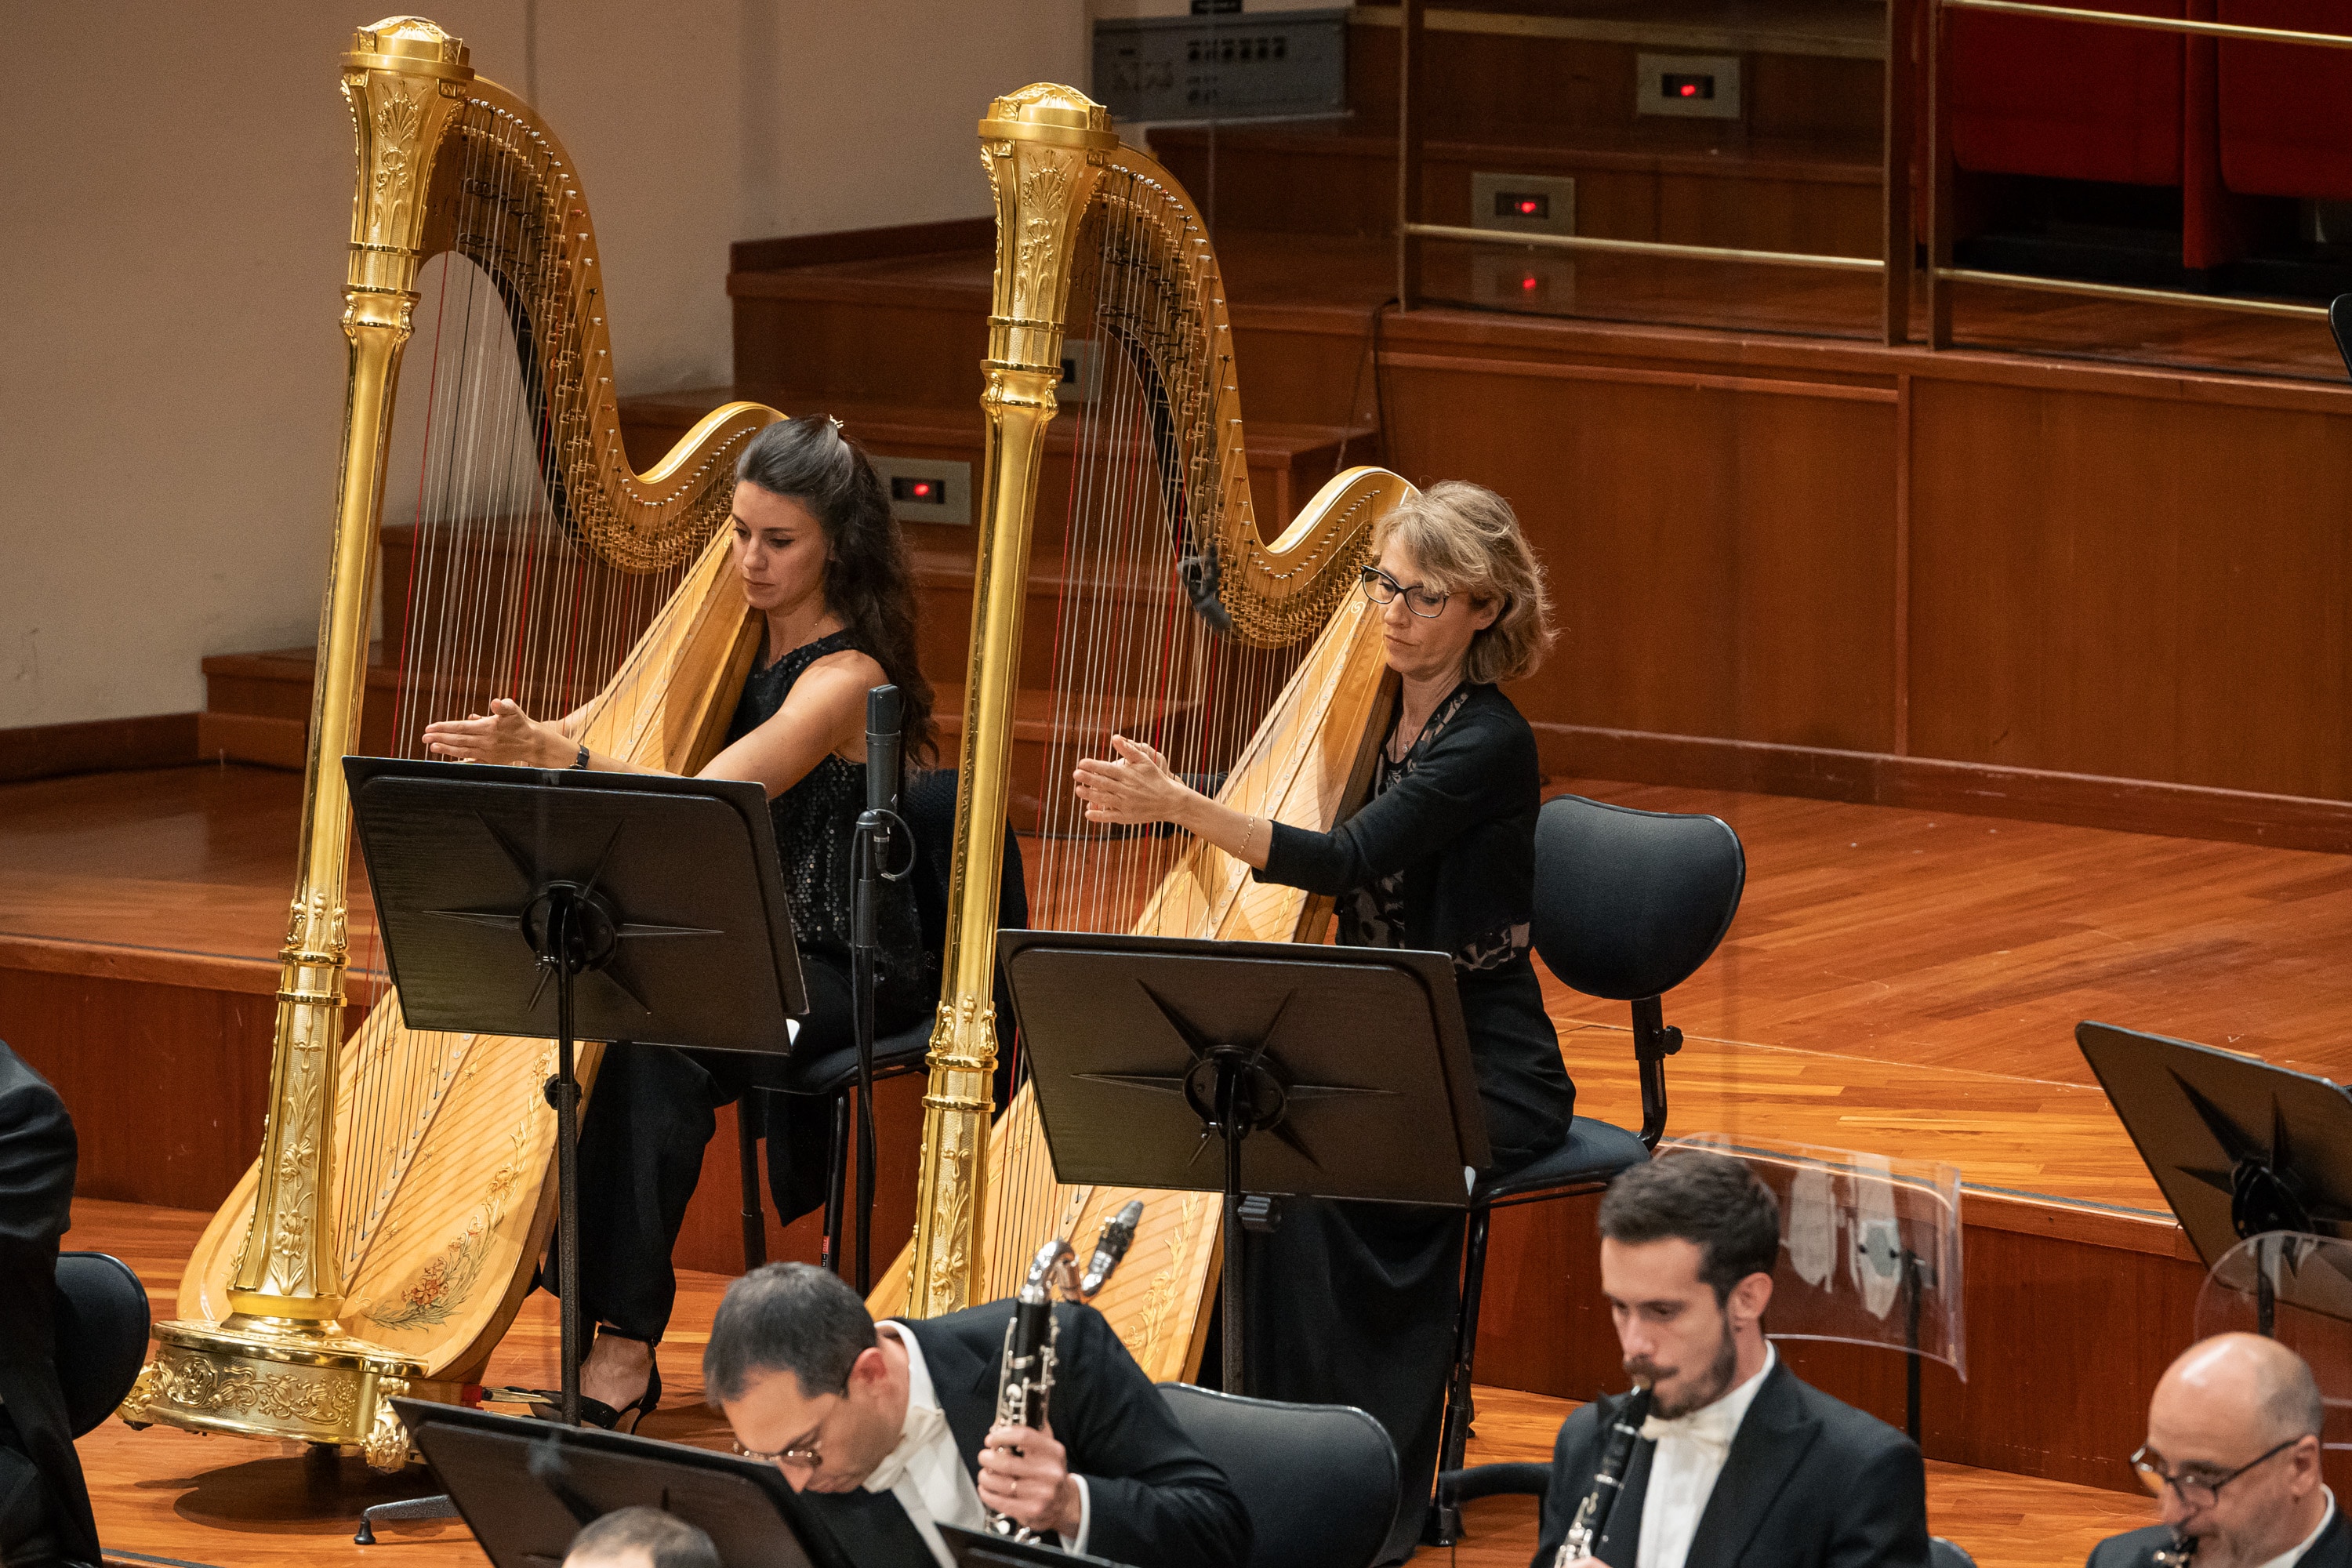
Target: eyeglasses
(806, 1454)
(1382, 589)
(2196, 1491)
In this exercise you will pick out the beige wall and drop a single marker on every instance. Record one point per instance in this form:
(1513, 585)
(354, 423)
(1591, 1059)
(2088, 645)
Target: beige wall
(174, 206)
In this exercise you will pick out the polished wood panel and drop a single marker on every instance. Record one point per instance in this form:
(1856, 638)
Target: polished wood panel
(1698, 546)
(168, 1493)
(1930, 784)
(2138, 588)
(97, 746)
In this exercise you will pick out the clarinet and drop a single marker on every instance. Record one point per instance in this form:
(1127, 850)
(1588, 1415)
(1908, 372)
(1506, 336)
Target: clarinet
(1591, 1520)
(1027, 1377)
(2180, 1553)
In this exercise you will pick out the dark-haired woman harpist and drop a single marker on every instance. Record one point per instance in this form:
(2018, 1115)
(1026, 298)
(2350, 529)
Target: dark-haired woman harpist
(820, 559)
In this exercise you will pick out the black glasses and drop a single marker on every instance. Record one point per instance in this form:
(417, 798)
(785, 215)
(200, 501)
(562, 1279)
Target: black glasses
(804, 1454)
(2196, 1491)
(1382, 589)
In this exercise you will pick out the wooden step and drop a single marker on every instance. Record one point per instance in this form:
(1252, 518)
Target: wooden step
(1815, 196)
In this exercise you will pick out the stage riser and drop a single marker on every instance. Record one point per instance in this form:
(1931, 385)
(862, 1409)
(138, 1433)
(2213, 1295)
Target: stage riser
(2044, 1315)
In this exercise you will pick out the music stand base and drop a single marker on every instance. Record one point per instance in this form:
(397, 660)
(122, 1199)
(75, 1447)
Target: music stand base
(407, 1510)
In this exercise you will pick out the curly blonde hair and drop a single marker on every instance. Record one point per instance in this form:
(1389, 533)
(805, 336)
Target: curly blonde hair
(1467, 540)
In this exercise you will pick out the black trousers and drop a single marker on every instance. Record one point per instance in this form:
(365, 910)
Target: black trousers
(652, 1113)
(1354, 1303)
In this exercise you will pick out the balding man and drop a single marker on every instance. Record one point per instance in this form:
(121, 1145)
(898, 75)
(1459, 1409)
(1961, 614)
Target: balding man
(2232, 1449)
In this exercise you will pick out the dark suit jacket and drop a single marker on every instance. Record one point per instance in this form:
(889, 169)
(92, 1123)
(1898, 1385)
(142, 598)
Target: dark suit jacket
(1156, 1498)
(1809, 1481)
(2133, 1548)
(36, 1179)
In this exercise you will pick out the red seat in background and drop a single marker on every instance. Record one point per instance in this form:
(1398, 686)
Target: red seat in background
(2070, 100)
(2286, 109)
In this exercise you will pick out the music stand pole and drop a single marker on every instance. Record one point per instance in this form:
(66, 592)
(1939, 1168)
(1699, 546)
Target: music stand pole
(563, 925)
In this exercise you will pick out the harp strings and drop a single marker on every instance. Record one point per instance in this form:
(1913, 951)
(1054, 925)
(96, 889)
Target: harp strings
(1131, 653)
(503, 595)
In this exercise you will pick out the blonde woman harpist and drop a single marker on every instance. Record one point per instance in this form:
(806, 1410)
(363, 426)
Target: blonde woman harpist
(1440, 857)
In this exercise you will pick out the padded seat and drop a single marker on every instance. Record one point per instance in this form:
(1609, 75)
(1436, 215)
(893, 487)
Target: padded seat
(2068, 100)
(2282, 105)
(1594, 1153)
(101, 1335)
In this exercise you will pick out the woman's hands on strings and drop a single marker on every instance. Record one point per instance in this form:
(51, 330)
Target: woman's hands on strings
(1137, 787)
(505, 734)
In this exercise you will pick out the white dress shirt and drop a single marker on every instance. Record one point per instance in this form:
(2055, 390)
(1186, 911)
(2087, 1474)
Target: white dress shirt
(2294, 1554)
(926, 1474)
(1690, 1455)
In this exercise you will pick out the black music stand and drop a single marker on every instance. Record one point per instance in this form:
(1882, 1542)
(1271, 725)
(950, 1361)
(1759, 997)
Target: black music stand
(571, 904)
(2240, 1148)
(979, 1549)
(1353, 1063)
(525, 1488)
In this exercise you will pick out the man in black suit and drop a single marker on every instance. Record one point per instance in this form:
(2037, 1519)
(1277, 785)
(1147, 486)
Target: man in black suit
(892, 1430)
(2233, 1436)
(1739, 1462)
(44, 1508)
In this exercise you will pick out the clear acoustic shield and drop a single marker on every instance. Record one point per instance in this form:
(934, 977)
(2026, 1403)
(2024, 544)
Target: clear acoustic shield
(1870, 1246)
(2296, 1288)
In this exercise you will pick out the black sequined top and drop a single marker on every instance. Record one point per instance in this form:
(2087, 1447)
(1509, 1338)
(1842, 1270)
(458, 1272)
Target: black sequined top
(816, 828)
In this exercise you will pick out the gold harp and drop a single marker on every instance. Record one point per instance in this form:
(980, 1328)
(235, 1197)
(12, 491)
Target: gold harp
(384, 1239)
(1260, 670)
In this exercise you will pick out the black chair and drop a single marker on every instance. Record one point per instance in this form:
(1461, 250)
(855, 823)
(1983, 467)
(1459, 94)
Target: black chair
(1629, 904)
(928, 806)
(101, 1335)
(1319, 1481)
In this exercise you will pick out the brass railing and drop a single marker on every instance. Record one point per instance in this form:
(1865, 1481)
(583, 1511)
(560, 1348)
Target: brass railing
(1900, 263)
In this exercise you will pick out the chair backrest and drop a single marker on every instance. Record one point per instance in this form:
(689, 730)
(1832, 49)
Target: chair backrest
(101, 1333)
(1319, 1480)
(928, 804)
(1630, 903)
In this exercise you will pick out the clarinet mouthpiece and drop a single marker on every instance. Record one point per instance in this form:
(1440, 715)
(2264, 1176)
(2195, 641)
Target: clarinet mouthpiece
(1118, 1234)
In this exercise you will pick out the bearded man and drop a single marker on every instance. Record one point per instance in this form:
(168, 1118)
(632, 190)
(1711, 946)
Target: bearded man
(1739, 1462)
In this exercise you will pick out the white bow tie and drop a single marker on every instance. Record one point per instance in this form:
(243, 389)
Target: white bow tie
(1712, 1427)
(924, 1425)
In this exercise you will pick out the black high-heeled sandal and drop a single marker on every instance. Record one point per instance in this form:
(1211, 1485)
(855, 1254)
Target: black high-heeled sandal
(596, 1413)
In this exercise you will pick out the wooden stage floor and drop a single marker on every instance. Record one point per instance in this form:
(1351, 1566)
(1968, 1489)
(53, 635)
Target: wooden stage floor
(222, 1503)
(1896, 981)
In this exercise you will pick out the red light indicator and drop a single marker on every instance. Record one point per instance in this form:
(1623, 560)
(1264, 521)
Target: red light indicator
(1526, 207)
(1690, 90)
(1527, 285)
(922, 488)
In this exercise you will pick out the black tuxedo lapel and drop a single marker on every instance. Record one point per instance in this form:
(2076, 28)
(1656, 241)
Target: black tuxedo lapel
(1622, 1541)
(1772, 1441)
(2334, 1547)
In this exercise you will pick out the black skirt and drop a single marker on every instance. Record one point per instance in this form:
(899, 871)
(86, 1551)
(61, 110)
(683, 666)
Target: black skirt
(1354, 1303)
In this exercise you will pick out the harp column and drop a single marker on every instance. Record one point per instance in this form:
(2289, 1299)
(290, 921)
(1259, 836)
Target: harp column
(1042, 149)
(281, 1366)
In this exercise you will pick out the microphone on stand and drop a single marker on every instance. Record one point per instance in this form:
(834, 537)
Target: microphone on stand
(884, 745)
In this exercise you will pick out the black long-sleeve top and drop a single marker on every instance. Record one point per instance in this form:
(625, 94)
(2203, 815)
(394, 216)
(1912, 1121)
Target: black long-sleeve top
(1460, 826)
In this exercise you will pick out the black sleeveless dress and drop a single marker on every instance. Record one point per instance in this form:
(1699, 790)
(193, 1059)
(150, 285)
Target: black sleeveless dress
(652, 1108)
(817, 827)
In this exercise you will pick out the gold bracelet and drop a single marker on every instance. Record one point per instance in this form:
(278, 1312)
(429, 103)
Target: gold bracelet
(1248, 828)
